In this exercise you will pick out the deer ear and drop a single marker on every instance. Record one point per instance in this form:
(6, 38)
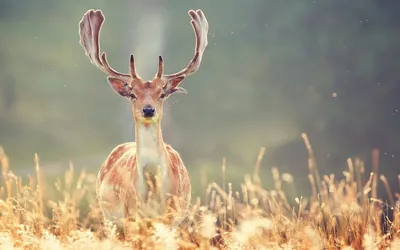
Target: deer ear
(120, 87)
(178, 90)
(172, 86)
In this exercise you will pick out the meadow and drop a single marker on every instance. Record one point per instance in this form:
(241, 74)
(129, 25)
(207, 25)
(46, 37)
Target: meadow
(343, 212)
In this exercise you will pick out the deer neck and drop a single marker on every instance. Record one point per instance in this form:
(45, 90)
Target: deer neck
(150, 150)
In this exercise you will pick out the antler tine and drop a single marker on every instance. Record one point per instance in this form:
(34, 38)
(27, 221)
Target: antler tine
(89, 31)
(160, 67)
(200, 28)
(132, 67)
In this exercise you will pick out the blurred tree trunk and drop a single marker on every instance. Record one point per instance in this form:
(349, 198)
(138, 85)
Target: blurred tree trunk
(7, 93)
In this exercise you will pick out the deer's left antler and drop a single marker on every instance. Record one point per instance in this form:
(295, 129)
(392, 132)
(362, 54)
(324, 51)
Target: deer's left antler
(200, 28)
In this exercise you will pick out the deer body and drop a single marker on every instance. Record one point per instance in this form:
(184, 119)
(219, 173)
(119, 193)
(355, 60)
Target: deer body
(121, 179)
(145, 177)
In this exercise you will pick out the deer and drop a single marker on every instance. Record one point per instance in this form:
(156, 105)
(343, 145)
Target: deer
(146, 171)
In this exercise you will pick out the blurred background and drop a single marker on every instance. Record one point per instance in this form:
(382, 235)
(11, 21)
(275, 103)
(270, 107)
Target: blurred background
(272, 70)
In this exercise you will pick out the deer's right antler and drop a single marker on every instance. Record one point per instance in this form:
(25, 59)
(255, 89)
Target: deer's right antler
(89, 31)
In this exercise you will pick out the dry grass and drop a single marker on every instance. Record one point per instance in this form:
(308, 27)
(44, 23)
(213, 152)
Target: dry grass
(341, 214)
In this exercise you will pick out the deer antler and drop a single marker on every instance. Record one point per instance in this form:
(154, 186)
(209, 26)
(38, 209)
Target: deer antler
(89, 31)
(160, 67)
(200, 28)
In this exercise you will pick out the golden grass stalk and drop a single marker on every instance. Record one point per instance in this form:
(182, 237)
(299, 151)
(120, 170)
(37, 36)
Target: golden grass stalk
(342, 213)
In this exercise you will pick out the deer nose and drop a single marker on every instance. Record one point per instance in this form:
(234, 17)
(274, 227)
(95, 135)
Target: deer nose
(148, 111)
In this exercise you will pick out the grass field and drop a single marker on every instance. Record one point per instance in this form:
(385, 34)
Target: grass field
(342, 213)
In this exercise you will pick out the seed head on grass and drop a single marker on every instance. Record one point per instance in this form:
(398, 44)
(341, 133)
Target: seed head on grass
(343, 212)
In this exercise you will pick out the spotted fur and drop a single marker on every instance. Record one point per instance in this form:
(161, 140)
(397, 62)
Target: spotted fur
(117, 182)
(121, 186)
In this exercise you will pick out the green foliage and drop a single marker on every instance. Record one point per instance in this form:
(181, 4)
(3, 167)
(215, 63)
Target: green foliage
(268, 74)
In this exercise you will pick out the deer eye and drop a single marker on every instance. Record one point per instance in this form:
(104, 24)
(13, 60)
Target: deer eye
(132, 96)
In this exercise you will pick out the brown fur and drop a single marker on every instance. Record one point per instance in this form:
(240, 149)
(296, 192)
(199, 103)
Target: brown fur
(119, 169)
(121, 184)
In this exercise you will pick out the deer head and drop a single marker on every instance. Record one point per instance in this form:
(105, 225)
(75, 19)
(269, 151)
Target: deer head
(147, 97)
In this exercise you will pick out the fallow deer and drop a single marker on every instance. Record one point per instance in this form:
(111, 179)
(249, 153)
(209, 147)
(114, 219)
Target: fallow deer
(122, 187)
